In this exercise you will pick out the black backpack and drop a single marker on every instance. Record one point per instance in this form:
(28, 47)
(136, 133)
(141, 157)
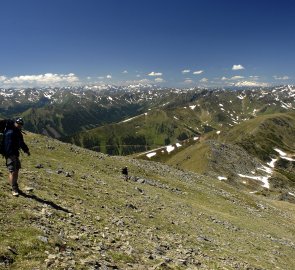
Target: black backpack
(4, 125)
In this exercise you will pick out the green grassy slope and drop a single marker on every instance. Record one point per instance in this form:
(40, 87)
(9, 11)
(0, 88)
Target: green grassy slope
(195, 158)
(260, 135)
(144, 132)
(67, 118)
(83, 215)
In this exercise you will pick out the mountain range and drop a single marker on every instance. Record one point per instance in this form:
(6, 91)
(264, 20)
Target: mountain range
(64, 112)
(211, 179)
(214, 127)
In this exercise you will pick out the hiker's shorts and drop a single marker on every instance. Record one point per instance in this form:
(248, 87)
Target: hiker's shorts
(13, 163)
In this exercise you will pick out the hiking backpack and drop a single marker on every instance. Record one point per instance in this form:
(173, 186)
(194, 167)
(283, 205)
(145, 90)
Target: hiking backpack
(4, 125)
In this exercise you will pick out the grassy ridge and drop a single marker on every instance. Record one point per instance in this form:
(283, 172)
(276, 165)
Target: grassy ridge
(141, 133)
(82, 214)
(260, 135)
(242, 149)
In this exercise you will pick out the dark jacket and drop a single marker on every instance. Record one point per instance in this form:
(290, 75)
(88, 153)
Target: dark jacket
(13, 141)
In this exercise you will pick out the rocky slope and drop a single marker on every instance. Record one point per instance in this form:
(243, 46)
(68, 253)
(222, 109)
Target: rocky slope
(255, 154)
(81, 214)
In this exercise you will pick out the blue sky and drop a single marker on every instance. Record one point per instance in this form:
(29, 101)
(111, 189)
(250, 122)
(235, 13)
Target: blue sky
(173, 43)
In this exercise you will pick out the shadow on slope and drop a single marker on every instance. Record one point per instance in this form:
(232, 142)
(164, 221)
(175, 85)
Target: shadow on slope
(46, 202)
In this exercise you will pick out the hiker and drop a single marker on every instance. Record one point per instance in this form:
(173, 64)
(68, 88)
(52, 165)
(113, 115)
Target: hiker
(125, 173)
(13, 141)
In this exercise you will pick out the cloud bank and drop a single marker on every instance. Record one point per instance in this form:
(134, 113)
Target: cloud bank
(250, 84)
(282, 78)
(40, 80)
(159, 80)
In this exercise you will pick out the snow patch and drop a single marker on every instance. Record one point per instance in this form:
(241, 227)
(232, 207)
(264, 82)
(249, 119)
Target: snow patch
(170, 148)
(241, 97)
(149, 155)
(129, 119)
(193, 107)
(272, 163)
(282, 154)
(265, 169)
(222, 178)
(288, 158)
(178, 145)
(263, 179)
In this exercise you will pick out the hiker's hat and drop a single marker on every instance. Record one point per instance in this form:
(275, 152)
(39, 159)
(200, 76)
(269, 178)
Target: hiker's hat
(19, 121)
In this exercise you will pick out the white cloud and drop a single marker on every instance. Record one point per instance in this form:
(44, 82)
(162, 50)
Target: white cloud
(155, 74)
(255, 78)
(145, 81)
(186, 71)
(138, 76)
(109, 76)
(2, 78)
(136, 82)
(88, 78)
(159, 80)
(198, 72)
(204, 80)
(281, 78)
(237, 67)
(188, 81)
(125, 72)
(236, 78)
(47, 79)
(250, 83)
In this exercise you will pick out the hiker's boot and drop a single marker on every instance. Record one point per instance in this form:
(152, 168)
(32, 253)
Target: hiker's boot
(15, 191)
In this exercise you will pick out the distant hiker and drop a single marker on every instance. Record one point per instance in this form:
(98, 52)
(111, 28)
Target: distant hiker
(13, 141)
(125, 173)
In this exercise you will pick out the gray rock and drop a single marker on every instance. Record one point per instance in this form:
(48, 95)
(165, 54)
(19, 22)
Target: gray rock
(42, 239)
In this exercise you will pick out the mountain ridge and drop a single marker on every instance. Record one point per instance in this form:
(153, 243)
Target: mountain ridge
(81, 214)
(189, 114)
(85, 101)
